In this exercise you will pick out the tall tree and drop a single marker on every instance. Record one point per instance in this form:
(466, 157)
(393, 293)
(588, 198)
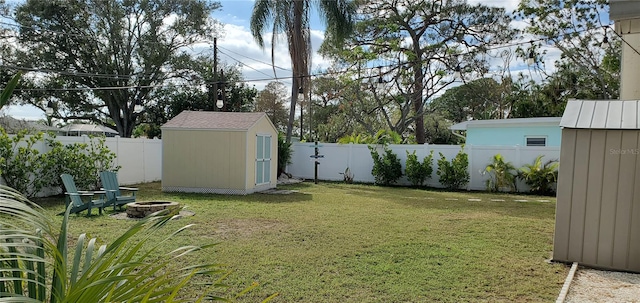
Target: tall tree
(578, 29)
(419, 43)
(484, 98)
(291, 18)
(271, 101)
(171, 100)
(101, 58)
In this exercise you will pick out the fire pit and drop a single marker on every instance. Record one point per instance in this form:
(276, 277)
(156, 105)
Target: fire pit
(143, 209)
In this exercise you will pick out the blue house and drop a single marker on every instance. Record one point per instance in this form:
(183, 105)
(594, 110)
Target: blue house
(520, 131)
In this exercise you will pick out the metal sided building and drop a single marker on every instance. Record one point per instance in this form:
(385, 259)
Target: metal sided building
(219, 152)
(598, 205)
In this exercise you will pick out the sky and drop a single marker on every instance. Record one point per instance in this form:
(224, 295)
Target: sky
(237, 46)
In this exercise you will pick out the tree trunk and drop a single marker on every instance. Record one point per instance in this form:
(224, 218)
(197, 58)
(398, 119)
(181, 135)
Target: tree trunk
(292, 108)
(297, 60)
(417, 103)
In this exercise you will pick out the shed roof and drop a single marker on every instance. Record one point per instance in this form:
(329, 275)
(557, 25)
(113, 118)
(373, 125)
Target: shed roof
(601, 114)
(542, 121)
(623, 9)
(213, 120)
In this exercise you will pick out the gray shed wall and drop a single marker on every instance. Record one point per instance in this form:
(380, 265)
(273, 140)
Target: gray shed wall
(598, 208)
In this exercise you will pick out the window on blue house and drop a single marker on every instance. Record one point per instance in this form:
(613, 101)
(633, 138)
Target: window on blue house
(536, 141)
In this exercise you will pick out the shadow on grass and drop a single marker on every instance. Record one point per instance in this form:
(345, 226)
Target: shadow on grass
(255, 197)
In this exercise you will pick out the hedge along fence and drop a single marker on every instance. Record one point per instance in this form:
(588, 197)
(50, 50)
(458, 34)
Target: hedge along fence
(140, 160)
(337, 157)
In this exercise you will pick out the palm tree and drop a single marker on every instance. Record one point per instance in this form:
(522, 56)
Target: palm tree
(38, 265)
(292, 19)
(6, 92)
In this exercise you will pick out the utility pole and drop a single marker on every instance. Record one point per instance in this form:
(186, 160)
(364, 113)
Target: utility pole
(215, 72)
(311, 136)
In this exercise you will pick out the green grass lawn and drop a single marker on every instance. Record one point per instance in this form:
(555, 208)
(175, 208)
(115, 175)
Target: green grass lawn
(359, 243)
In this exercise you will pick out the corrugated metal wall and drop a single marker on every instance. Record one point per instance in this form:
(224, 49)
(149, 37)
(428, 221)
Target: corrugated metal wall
(598, 206)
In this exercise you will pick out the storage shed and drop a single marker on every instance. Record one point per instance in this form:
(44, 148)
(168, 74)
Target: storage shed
(219, 152)
(598, 205)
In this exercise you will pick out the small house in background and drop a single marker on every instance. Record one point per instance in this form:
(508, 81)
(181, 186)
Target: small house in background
(219, 152)
(13, 126)
(519, 131)
(598, 201)
(89, 130)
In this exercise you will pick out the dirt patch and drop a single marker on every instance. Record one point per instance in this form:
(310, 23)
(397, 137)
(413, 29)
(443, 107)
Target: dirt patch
(246, 227)
(124, 216)
(590, 285)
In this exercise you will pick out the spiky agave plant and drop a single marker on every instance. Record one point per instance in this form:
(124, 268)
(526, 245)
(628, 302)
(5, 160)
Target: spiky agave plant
(34, 264)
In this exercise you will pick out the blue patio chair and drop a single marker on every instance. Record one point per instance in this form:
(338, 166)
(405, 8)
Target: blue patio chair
(80, 200)
(114, 192)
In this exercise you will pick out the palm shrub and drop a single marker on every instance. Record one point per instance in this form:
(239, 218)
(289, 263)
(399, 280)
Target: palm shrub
(502, 174)
(418, 172)
(540, 177)
(284, 154)
(386, 169)
(353, 138)
(8, 89)
(383, 136)
(454, 174)
(35, 264)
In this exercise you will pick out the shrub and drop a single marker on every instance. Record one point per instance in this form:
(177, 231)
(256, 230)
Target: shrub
(502, 175)
(37, 267)
(418, 172)
(454, 174)
(540, 177)
(284, 154)
(20, 162)
(81, 160)
(383, 136)
(387, 169)
(27, 170)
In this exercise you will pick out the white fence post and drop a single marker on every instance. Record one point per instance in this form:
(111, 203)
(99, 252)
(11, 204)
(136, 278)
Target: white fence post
(470, 166)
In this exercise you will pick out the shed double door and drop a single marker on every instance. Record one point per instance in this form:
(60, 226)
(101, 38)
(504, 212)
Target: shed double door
(263, 159)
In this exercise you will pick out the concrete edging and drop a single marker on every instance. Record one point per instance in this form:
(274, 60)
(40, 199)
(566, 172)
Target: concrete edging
(567, 283)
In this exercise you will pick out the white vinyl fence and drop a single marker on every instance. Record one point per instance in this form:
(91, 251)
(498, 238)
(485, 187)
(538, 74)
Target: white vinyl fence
(140, 160)
(337, 157)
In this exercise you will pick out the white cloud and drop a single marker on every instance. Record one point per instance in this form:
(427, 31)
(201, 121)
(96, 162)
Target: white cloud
(509, 5)
(238, 46)
(26, 112)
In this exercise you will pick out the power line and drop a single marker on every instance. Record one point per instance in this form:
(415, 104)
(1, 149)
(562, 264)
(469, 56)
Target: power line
(67, 73)
(241, 55)
(244, 64)
(326, 73)
(627, 42)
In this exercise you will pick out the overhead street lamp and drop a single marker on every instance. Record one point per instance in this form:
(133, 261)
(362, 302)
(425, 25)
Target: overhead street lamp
(49, 109)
